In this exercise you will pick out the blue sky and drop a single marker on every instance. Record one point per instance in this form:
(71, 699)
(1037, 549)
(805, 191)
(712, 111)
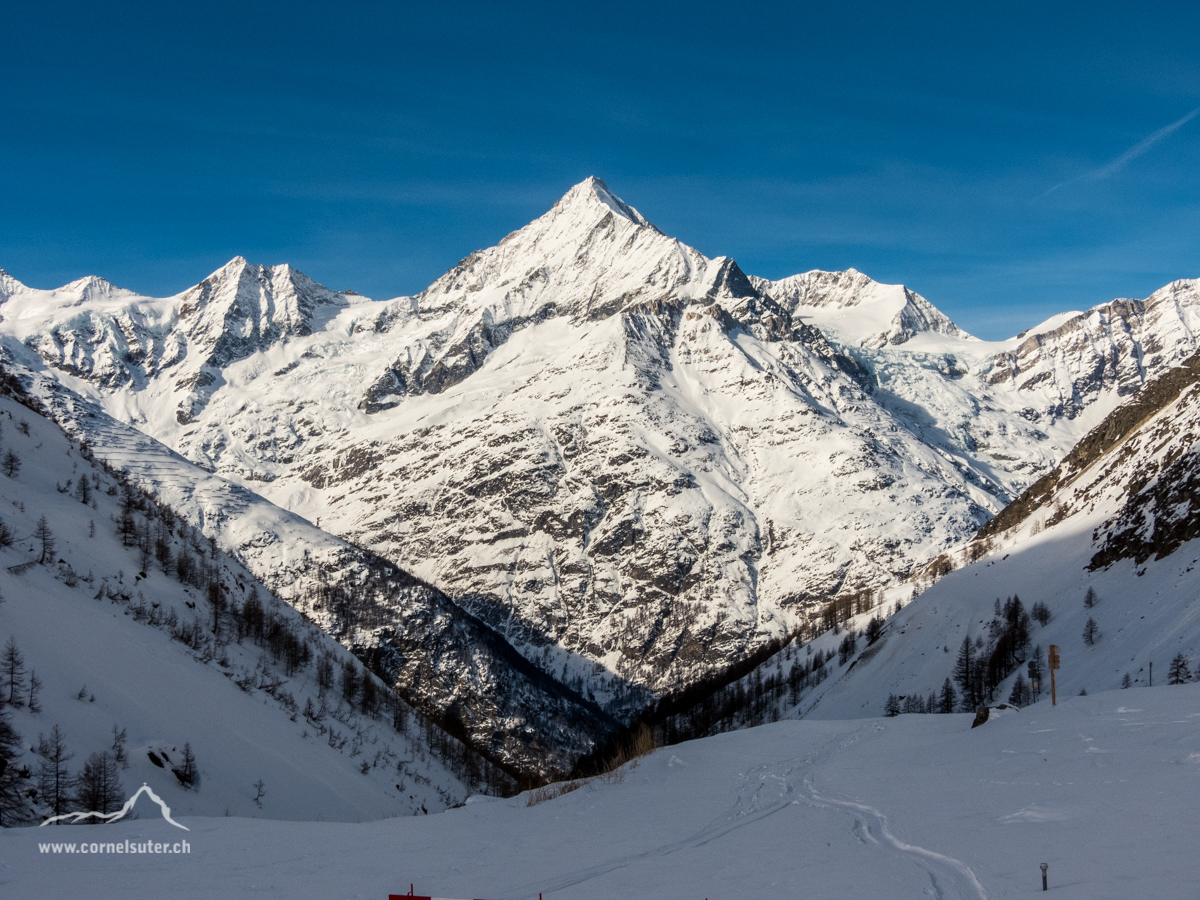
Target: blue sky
(1008, 161)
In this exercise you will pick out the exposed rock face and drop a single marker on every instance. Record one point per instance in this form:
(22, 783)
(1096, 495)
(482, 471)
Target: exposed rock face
(632, 461)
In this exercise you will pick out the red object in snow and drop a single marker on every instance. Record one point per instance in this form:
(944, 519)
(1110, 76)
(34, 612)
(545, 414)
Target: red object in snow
(411, 896)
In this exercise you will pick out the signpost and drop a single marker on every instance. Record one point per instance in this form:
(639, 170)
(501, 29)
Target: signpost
(1054, 664)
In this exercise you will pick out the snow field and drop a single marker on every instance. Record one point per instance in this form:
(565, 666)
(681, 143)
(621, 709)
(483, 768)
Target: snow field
(1102, 788)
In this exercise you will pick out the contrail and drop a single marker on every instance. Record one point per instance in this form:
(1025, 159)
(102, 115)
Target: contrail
(1112, 168)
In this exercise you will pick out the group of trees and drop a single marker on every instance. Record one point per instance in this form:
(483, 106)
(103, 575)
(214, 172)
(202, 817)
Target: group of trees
(14, 690)
(1180, 671)
(12, 693)
(54, 789)
(96, 787)
(942, 701)
(160, 536)
(758, 696)
(981, 666)
(841, 608)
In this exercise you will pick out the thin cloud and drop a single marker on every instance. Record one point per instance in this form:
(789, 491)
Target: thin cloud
(1116, 165)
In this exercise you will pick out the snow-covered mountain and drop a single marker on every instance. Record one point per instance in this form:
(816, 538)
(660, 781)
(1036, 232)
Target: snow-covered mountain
(632, 461)
(441, 660)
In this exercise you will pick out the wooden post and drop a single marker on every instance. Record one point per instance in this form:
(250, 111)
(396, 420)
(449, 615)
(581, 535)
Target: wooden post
(1053, 665)
(1152, 674)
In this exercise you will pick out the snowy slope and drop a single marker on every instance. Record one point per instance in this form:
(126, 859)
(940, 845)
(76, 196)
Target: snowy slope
(632, 461)
(97, 634)
(1102, 788)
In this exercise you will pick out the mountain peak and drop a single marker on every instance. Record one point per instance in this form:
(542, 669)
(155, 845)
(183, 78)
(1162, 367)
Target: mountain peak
(9, 286)
(592, 194)
(857, 309)
(91, 288)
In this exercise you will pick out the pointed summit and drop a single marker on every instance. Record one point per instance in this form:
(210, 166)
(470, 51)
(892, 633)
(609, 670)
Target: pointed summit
(592, 195)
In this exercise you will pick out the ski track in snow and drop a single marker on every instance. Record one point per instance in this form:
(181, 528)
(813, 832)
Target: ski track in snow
(870, 824)
(768, 790)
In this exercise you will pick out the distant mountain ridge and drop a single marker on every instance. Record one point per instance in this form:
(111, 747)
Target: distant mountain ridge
(633, 461)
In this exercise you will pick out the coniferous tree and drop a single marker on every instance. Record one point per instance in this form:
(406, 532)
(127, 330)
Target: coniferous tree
(35, 686)
(185, 566)
(1091, 631)
(324, 674)
(10, 464)
(965, 674)
(891, 709)
(947, 698)
(1179, 672)
(1036, 666)
(254, 616)
(12, 670)
(186, 773)
(216, 598)
(1126, 682)
(98, 787)
(126, 521)
(847, 647)
(45, 536)
(349, 681)
(369, 699)
(118, 747)
(12, 804)
(1020, 691)
(56, 784)
(1090, 599)
(1040, 613)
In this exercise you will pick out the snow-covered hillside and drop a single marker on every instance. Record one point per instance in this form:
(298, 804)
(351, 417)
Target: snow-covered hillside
(1101, 788)
(113, 618)
(632, 461)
